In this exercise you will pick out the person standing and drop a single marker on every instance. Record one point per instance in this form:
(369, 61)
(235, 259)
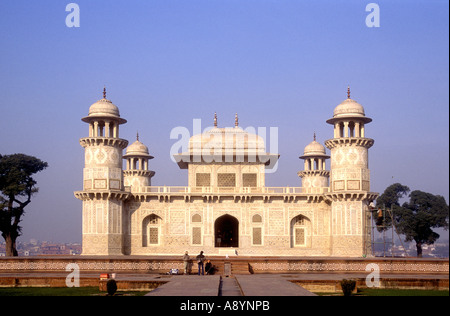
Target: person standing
(200, 262)
(186, 259)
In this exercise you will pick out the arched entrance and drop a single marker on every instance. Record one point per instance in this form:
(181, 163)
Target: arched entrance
(226, 231)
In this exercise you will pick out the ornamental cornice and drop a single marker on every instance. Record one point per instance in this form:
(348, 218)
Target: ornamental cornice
(219, 195)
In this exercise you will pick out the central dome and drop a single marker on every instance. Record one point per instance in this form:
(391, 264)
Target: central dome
(231, 145)
(228, 140)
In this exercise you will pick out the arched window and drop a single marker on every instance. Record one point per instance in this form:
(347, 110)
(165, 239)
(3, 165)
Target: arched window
(257, 218)
(300, 228)
(257, 229)
(196, 218)
(196, 229)
(151, 230)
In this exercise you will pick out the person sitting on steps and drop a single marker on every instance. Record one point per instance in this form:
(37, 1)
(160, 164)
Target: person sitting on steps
(210, 268)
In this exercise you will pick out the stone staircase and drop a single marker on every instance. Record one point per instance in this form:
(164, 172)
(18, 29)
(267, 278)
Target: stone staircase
(239, 267)
(230, 266)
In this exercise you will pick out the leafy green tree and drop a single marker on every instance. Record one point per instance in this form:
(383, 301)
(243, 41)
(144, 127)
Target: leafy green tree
(416, 218)
(16, 188)
(389, 201)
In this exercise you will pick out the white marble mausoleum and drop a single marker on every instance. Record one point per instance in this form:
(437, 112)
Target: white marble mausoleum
(227, 207)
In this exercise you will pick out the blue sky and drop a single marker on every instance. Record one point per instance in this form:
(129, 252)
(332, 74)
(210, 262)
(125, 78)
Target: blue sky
(278, 63)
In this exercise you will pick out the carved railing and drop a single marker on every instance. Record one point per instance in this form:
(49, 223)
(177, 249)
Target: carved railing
(226, 190)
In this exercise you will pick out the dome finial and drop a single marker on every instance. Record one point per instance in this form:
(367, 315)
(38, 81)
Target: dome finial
(236, 120)
(314, 136)
(137, 135)
(215, 119)
(104, 92)
(348, 92)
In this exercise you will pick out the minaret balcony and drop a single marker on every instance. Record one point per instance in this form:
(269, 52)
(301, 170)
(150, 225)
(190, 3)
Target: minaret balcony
(309, 173)
(102, 195)
(105, 141)
(138, 173)
(349, 141)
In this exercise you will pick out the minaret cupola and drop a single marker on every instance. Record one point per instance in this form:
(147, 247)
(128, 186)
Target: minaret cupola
(104, 118)
(349, 119)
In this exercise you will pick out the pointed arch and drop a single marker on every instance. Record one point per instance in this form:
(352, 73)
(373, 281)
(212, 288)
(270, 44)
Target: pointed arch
(151, 230)
(226, 231)
(300, 231)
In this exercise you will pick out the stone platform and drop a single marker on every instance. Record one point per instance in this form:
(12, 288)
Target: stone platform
(239, 265)
(248, 276)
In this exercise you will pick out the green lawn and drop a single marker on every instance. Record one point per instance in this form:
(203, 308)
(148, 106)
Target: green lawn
(62, 291)
(392, 292)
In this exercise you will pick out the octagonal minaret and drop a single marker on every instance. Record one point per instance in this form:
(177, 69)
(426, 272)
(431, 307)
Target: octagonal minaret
(349, 179)
(349, 147)
(103, 188)
(137, 173)
(314, 176)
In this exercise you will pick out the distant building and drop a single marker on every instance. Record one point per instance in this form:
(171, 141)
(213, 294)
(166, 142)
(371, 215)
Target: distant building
(226, 207)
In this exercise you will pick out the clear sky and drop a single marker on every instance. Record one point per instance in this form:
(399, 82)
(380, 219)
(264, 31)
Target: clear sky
(278, 63)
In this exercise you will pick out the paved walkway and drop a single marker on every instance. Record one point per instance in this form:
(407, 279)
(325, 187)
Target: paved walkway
(256, 284)
(239, 285)
(189, 285)
(270, 285)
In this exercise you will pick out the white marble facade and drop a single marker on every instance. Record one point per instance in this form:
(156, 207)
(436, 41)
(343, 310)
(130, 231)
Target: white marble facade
(226, 209)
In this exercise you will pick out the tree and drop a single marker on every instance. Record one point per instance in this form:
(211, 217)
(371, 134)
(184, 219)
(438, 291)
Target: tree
(416, 218)
(16, 188)
(390, 200)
